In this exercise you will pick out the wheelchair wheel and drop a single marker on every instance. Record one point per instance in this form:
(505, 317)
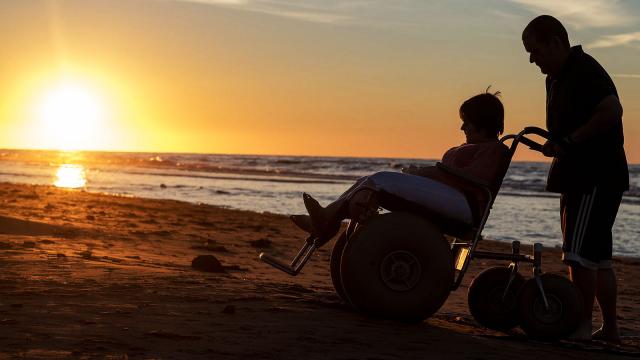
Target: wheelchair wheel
(560, 318)
(334, 265)
(491, 303)
(398, 266)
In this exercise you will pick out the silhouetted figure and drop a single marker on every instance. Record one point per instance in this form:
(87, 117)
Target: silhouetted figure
(482, 157)
(589, 169)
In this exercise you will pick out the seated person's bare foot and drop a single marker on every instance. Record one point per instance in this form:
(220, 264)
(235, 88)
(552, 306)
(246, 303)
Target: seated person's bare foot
(607, 335)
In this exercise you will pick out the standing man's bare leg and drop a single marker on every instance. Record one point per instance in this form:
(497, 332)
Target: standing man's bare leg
(586, 280)
(607, 293)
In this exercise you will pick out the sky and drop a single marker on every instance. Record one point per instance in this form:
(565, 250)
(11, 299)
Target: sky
(334, 78)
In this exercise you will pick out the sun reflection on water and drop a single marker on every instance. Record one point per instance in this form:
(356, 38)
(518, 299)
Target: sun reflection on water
(70, 176)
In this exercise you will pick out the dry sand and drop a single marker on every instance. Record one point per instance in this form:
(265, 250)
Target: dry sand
(87, 275)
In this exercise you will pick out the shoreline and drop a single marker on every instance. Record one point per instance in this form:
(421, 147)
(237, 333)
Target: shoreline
(95, 275)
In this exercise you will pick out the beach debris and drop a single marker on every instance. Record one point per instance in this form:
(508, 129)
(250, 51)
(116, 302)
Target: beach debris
(261, 243)
(90, 217)
(208, 263)
(163, 186)
(229, 309)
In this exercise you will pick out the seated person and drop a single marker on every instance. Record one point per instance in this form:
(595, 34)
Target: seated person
(482, 157)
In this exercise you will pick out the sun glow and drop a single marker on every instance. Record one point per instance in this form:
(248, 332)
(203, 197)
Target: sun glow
(71, 115)
(70, 176)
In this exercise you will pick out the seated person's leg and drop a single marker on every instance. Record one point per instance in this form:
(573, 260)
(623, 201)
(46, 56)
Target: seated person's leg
(362, 204)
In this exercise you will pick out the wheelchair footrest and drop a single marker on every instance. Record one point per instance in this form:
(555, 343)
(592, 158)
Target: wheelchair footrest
(298, 261)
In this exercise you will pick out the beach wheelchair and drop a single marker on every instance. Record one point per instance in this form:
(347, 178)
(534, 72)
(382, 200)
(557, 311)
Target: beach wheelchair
(403, 265)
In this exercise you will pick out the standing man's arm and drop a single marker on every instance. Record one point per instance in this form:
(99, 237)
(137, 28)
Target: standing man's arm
(607, 115)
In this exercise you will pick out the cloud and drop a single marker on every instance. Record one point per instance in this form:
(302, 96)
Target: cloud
(628, 76)
(608, 41)
(583, 13)
(219, 2)
(327, 12)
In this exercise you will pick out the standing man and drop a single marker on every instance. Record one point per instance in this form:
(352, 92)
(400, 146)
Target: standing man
(589, 169)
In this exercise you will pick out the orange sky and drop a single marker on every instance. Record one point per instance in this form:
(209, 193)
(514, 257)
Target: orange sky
(262, 78)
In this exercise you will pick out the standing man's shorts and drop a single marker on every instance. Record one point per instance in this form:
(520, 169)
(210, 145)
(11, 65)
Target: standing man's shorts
(587, 220)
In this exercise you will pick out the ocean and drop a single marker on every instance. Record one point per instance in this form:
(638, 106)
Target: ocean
(523, 210)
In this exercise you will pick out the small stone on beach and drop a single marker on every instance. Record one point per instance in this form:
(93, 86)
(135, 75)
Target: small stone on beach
(208, 263)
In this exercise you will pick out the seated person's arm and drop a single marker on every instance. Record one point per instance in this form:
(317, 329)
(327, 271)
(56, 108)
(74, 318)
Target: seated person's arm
(432, 172)
(482, 169)
(461, 174)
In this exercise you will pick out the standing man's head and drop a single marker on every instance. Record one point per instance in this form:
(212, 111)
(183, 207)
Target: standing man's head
(547, 42)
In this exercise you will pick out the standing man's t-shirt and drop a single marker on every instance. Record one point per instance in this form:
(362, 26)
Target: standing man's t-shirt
(572, 97)
(593, 174)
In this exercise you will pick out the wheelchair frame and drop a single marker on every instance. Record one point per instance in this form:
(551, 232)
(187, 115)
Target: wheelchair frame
(465, 250)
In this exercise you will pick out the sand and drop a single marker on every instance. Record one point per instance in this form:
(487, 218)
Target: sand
(87, 275)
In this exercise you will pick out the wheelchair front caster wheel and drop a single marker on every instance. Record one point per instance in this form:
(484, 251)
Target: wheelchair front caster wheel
(556, 319)
(491, 303)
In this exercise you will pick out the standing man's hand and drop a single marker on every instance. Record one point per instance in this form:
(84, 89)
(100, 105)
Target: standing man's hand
(553, 149)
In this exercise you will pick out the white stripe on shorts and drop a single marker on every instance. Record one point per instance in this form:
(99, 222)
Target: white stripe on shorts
(577, 223)
(585, 223)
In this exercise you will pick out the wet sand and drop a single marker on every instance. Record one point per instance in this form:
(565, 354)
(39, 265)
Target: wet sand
(86, 275)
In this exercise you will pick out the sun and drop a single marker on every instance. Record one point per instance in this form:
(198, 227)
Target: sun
(71, 114)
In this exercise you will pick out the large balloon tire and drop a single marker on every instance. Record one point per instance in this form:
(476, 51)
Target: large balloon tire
(488, 302)
(565, 308)
(397, 266)
(334, 265)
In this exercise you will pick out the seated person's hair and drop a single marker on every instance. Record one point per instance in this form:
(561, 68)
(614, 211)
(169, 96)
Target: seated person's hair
(484, 111)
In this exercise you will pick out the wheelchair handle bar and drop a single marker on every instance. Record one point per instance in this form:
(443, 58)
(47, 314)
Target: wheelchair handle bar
(533, 145)
(536, 131)
(520, 138)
